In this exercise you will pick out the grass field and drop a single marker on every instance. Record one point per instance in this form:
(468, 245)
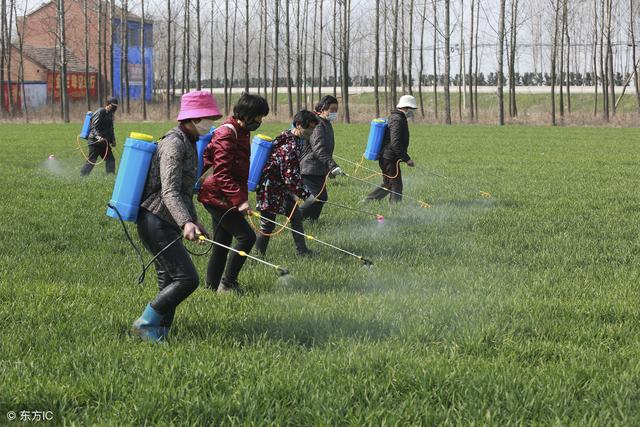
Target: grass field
(519, 309)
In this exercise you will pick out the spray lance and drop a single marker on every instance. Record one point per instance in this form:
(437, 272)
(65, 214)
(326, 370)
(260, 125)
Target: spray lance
(484, 194)
(362, 259)
(421, 203)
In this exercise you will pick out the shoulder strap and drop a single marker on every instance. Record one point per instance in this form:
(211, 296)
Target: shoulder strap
(230, 126)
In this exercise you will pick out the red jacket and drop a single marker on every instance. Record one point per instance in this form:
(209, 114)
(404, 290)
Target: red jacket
(228, 154)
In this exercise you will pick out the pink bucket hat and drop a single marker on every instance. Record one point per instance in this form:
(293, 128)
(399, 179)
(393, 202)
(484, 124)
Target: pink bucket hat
(198, 104)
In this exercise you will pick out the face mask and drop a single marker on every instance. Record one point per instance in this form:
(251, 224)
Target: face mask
(332, 117)
(409, 114)
(252, 125)
(203, 126)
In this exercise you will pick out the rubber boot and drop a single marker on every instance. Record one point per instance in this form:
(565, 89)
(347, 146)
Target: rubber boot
(261, 244)
(165, 324)
(147, 326)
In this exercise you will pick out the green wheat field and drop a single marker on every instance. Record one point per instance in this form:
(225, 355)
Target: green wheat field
(517, 309)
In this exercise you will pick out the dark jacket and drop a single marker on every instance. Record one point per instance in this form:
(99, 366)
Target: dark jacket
(317, 152)
(396, 137)
(168, 192)
(228, 155)
(281, 176)
(101, 126)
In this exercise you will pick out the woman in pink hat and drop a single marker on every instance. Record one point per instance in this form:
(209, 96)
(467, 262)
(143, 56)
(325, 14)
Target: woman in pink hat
(167, 212)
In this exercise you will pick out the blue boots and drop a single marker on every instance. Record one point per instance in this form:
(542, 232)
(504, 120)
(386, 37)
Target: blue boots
(151, 326)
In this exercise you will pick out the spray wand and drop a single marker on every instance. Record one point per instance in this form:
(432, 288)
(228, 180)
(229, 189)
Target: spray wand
(362, 259)
(281, 271)
(379, 217)
(422, 204)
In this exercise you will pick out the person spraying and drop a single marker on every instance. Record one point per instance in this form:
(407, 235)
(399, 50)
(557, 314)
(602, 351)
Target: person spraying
(167, 211)
(317, 156)
(101, 138)
(225, 194)
(394, 151)
(281, 183)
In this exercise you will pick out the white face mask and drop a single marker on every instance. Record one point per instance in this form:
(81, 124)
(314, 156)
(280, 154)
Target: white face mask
(332, 117)
(203, 126)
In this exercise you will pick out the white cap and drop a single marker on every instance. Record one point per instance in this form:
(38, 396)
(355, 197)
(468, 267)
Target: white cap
(407, 101)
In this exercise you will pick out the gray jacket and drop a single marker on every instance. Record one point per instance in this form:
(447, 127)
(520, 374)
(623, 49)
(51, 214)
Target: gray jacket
(168, 192)
(317, 152)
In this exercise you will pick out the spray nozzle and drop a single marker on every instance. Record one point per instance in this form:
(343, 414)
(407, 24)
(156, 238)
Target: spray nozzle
(282, 271)
(366, 262)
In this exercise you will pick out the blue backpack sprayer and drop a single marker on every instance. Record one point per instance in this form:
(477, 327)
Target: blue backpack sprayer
(130, 182)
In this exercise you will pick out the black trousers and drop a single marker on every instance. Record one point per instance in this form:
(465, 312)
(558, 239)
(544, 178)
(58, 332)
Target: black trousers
(268, 227)
(315, 183)
(225, 229)
(394, 184)
(177, 276)
(99, 149)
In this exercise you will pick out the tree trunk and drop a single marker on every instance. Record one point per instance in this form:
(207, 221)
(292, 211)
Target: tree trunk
(8, 34)
(126, 57)
(288, 49)
(386, 57)
(553, 64)
(612, 82)
(276, 41)
(266, 33)
(394, 54)
(636, 78)
(595, 56)
(101, 51)
(501, 63)
(345, 58)
(198, 47)
(335, 42)
(447, 63)
(320, 55)
(475, 73)
(421, 73)
(3, 43)
(212, 47)
(305, 49)
(410, 62)
(435, 60)
(470, 112)
(403, 76)
(87, 93)
(561, 76)
(25, 107)
(298, 48)
(261, 38)
(233, 54)
(376, 65)
(513, 106)
(247, 46)
(313, 51)
(109, 24)
(568, 61)
(461, 62)
(226, 57)
(169, 75)
(143, 95)
(63, 62)
(603, 71)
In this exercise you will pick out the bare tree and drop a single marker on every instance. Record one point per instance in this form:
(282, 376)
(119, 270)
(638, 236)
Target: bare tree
(101, 77)
(376, 71)
(266, 33)
(501, 62)
(334, 44)
(63, 62)
(471, 77)
(143, 95)
(320, 55)
(410, 62)
(247, 46)
(595, 56)
(3, 44)
(305, 37)
(346, 4)
(7, 36)
(125, 57)
(636, 79)
(276, 60)
(604, 76)
(447, 62)
(568, 60)
(169, 75)
(394, 53)
(288, 48)
(109, 23)
(299, 40)
(261, 38)
(211, 45)
(85, 12)
(421, 72)
(198, 47)
(403, 76)
(233, 53)
(435, 60)
(226, 56)
(20, 32)
(612, 82)
(475, 73)
(386, 56)
(313, 49)
(513, 106)
(461, 62)
(561, 75)
(554, 56)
